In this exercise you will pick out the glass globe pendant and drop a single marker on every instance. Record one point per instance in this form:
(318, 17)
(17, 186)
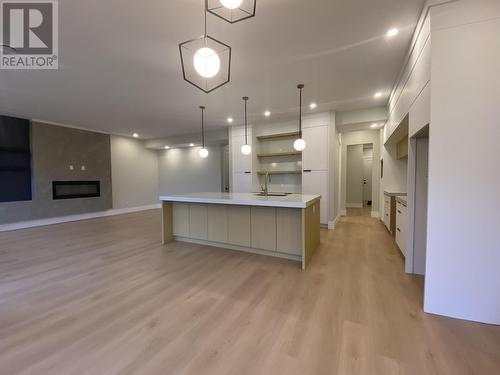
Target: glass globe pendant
(231, 4)
(205, 61)
(203, 152)
(299, 143)
(246, 149)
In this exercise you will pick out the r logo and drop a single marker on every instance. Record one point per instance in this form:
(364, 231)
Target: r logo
(29, 29)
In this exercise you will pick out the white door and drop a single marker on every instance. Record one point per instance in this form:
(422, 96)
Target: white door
(367, 179)
(242, 183)
(316, 182)
(315, 155)
(241, 163)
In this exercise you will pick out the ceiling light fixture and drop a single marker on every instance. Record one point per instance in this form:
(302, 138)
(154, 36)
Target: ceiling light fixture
(135, 135)
(313, 105)
(373, 125)
(230, 120)
(231, 11)
(166, 147)
(191, 145)
(377, 95)
(299, 143)
(267, 113)
(203, 151)
(210, 66)
(246, 149)
(392, 32)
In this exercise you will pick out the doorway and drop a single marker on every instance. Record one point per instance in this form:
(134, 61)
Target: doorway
(359, 171)
(419, 148)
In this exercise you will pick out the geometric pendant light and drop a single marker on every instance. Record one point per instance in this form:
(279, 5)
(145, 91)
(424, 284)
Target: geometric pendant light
(299, 143)
(232, 11)
(203, 152)
(206, 61)
(246, 149)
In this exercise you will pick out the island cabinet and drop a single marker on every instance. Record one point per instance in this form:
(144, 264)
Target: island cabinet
(286, 232)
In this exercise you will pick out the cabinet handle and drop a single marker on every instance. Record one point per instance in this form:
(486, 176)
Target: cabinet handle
(399, 211)
(399, 230)
(307, 170)
(248, 172)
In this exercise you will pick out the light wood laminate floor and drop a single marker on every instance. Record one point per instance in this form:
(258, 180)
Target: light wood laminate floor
(104, 297)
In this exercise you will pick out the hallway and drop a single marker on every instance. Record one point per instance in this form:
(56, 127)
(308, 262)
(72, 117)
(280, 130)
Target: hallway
(103, 296)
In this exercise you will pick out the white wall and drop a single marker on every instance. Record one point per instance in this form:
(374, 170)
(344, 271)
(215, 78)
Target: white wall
(356, 138)
(463, 243)
(134, 171)
(183, 171)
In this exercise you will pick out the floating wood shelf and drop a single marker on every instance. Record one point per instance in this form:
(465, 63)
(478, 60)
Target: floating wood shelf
(280, 172)
(284, 153)
(279, 135)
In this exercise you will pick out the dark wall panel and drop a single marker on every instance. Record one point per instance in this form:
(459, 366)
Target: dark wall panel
(54, 150)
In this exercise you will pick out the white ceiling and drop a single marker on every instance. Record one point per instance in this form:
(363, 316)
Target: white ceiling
(119, 68)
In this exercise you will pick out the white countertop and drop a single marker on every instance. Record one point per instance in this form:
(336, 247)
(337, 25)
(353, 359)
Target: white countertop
(290, 201)
(393, 193)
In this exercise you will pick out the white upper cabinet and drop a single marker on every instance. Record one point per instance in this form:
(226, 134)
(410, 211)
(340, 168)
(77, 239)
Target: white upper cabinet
(315, 155)
(241, 163)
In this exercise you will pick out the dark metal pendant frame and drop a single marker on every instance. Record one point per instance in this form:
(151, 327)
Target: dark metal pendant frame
(231, 15)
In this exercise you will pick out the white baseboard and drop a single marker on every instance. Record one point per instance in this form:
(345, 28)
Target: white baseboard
(375, 214)
(66, 219)
(354, 205)
(343, 213)
(333, 224)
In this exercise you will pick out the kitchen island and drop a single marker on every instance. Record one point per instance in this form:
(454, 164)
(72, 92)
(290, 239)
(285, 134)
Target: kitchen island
(285, 226)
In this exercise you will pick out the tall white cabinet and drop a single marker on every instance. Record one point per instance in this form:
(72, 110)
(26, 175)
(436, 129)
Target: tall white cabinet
(241, 165)
(315, 163)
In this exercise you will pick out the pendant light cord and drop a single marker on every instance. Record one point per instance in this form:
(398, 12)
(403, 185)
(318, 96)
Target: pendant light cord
(300, 87)
(245, 98)
(202, 127)
(205, 29)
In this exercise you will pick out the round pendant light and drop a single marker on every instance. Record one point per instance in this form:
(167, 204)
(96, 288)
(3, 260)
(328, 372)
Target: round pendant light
(205, 61)
(299, 143)
(246, 149)
(203, 151)
(231, 11)
(231, 4)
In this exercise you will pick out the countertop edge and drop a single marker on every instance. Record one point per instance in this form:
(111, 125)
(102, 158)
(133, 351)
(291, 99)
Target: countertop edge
(241, 202)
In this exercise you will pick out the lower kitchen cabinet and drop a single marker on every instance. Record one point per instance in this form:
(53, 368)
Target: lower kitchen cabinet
(401, 225)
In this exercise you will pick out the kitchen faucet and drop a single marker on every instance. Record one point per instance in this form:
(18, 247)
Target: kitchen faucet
(265, 188)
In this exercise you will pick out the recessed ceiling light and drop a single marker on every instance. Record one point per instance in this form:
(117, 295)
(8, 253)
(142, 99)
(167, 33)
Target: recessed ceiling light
(191, 145)
(392, 32)
(166, 147)
(373, 125)
(135, 135)
(267, 113)
(378, 95)
(230, 120)
(313, 105)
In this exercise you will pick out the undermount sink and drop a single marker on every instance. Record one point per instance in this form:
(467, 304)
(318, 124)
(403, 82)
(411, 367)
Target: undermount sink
(262, 194)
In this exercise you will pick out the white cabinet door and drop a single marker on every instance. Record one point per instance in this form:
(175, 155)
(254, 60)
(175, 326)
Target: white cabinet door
(315, 155)
(316, 182)
(242, 183)
(241, 163)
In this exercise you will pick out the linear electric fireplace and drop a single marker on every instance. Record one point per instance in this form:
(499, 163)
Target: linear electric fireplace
(75, 189)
